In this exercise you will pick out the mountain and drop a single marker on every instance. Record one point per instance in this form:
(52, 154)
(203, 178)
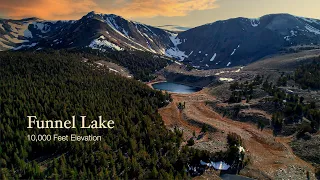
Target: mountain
(227, 43)
(24, 33)
(240, 41)
(98, 31)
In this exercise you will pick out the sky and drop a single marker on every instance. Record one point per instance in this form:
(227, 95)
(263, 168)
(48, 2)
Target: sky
(187, 13)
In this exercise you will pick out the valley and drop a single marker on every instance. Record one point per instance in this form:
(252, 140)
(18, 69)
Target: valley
(271, 157)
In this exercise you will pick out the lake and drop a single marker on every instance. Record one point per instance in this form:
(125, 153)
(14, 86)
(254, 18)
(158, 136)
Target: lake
(175, 88)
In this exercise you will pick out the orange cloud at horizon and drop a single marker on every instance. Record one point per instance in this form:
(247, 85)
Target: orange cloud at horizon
(74, 9)
(169, 8)
(46, 9)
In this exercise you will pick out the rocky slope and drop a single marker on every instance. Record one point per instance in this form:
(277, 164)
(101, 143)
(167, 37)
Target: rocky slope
(227, 43)
(240, 41)
(98, 31)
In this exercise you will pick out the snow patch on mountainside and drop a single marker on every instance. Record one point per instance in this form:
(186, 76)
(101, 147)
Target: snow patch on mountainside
(145, 35)
(100, 43)
(174, 52)
(174, 39)
(125, 32)
(25, 46)
(44, 28)
(255, 22)
(150, 48)
(18, 31)
(312, 29)
(113, 25)
(309, 20)
(213, 57)
(235, 50)
(138, 29)
(27, 33)
(293, 34)
(14, 34)
(146, 27)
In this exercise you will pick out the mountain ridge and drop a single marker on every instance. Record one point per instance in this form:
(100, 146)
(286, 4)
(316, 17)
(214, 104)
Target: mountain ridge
(223, 43)
(239, 41)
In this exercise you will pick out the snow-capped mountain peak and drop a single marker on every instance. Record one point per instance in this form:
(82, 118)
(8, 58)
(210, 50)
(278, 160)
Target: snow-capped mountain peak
(225, 43)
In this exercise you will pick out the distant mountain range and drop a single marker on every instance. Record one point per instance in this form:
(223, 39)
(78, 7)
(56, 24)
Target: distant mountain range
(174, 28)
(227, 43)
(240, 41)
(98, 31)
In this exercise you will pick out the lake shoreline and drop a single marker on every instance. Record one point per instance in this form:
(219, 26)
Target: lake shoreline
(173, 87)
(154, 82)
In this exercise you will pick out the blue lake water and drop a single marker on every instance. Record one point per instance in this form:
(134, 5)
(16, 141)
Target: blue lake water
(175, 88)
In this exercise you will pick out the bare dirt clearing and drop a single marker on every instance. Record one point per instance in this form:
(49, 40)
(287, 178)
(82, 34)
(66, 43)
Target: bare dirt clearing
(114, 68)
(270, 157)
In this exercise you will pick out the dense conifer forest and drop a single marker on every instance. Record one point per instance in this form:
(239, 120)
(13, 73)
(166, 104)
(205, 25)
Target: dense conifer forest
(308, 75)
(57, 85)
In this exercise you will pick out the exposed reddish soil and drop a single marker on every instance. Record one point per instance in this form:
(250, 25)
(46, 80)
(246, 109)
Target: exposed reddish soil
(268, 155)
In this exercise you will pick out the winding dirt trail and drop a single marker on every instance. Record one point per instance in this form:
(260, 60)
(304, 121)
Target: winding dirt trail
(268, 155)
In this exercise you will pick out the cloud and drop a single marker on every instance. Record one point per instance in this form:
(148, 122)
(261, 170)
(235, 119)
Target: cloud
(151, 8)
(46, 9)
(74, 9)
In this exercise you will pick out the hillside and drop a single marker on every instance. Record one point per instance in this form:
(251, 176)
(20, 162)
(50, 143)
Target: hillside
(142, 65)
(57, 85)
(273, 104)
(94, 30)
(240, 41)
(225, 43)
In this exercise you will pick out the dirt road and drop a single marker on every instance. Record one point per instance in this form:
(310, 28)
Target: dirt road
(270, 157)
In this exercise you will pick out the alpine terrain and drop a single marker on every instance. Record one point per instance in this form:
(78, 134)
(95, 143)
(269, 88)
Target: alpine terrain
(227, 43)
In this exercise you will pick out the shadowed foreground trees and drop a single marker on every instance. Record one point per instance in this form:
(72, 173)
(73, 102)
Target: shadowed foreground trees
(57, 85)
